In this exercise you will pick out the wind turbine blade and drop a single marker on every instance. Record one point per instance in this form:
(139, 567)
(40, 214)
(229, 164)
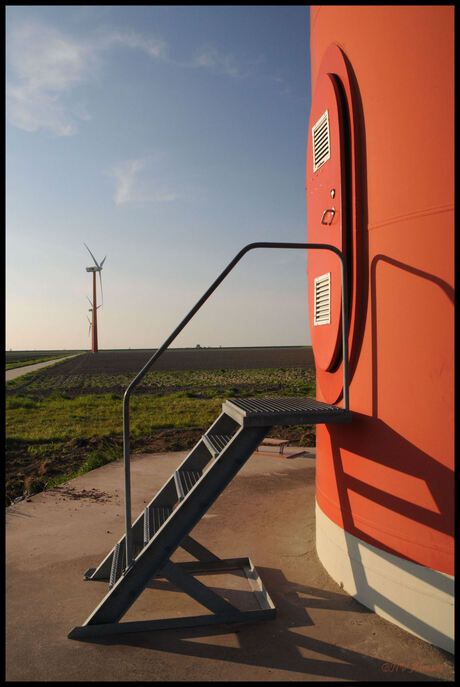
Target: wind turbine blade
(95, 261)
(90, 301)
(102, 262)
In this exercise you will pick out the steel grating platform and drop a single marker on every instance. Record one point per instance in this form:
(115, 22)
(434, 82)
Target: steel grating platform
(261, 412)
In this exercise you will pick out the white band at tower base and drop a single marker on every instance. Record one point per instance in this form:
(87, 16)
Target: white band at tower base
(416, 598)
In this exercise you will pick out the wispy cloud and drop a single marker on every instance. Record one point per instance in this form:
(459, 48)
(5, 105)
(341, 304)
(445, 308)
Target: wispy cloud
(46, 67)
(142, 181)
(154, 47)
(210, 58)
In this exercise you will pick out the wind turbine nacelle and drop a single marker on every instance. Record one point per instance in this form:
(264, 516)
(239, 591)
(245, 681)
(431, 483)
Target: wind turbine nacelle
(92, 269)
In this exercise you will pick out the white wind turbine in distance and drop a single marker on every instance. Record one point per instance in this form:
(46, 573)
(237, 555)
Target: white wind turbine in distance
(97, 268)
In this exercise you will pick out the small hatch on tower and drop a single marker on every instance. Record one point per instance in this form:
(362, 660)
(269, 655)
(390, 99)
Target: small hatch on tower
(321, 141)
(322, 298)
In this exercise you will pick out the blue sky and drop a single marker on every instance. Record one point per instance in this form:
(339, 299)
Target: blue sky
(166, 138)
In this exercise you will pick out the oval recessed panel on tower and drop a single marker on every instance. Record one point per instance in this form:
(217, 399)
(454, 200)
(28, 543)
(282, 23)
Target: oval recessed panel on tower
(325, 198)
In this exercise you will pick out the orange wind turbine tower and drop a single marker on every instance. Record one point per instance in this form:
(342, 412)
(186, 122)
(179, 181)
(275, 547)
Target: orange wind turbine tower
(97, 268)
(380, 187)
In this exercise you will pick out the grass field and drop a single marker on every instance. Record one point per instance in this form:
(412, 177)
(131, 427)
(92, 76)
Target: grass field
(66, 419)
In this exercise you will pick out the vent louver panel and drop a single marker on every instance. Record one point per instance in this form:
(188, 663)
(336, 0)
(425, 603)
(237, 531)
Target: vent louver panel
(322, 299)
(321, 141)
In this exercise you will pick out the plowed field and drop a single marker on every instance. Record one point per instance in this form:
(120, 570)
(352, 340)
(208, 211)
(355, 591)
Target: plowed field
(130, 362)
(176, 370)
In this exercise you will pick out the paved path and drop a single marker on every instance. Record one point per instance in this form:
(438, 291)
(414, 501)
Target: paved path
(320, 633)
(18, 371)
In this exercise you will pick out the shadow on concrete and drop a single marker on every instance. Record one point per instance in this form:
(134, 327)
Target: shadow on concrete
(277, 644)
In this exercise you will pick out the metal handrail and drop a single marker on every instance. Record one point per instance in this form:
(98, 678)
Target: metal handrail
(179, 328)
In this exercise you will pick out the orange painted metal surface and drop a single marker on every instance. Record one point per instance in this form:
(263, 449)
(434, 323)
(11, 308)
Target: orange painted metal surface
(335, 65)
(326, 223)
(387, 477)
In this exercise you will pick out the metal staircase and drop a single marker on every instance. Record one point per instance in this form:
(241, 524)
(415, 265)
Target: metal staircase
(165, 523)
(145, 549)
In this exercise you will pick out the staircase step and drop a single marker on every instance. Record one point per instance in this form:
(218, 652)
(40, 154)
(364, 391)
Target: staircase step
(160, 515)
(154, 517)
(189, 479)
(266, 412)
(185, 480)
(147, 534)
(118, 563)
(216, 442)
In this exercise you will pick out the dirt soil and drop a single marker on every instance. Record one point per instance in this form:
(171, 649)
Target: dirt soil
(26, 474)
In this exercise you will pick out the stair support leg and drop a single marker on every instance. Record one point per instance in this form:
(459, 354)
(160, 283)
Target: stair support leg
(223, 611)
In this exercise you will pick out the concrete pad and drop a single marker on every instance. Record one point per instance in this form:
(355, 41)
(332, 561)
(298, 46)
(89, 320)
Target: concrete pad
(266, 513)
